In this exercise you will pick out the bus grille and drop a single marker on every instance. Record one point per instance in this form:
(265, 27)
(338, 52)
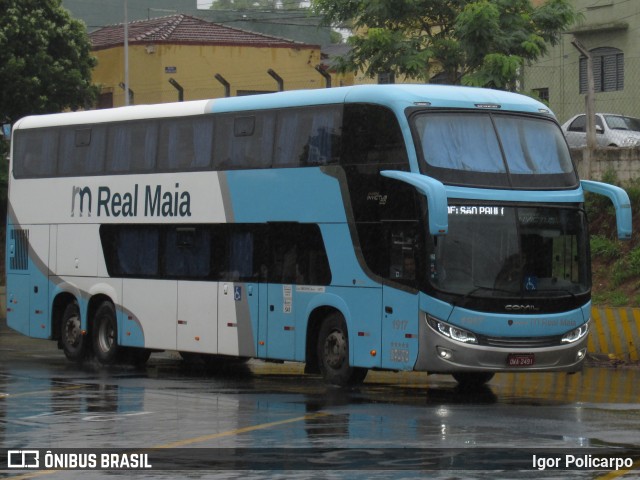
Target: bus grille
(521, 342)
(20, 258)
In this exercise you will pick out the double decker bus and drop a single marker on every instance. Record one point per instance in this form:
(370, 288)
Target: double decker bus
(398, 227)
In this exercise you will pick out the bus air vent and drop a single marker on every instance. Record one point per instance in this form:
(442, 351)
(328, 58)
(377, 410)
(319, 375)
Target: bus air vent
(19, 256)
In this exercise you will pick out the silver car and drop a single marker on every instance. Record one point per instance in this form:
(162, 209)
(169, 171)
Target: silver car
(611, 130)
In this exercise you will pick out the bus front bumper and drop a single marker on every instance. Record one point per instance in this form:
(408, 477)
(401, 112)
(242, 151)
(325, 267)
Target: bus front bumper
(439, 354)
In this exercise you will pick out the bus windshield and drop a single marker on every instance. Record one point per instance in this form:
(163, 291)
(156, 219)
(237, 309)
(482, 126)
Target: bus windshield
(494, 149)
(507, 251)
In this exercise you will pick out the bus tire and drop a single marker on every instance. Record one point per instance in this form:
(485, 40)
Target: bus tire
(73, 341)
(471, 380)
(105, 335)
(333, 353)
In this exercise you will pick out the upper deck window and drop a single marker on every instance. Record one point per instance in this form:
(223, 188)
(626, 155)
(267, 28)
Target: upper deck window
(494, 150)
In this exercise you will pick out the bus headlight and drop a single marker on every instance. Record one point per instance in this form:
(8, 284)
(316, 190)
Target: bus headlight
(577, 333)
(454, 333)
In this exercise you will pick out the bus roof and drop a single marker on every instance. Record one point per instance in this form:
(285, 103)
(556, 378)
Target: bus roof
(397, 96)
(136, 112)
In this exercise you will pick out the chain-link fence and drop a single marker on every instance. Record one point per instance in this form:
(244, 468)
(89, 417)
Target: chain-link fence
(561, 81)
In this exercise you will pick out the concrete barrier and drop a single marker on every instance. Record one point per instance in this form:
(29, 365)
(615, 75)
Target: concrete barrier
(625, 162)
(615, 333)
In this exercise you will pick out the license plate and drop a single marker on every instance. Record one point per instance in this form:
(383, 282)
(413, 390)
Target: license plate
(521, 359)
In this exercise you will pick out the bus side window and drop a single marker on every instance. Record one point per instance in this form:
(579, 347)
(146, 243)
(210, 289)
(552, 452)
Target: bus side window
(187, 252)
(185, 144)
(240, 255)
(392, 250)
(131, 250)
(131, 147)
(298, 255)
(307, 137)
(371, 135)
(35, 153)
(82, 150)
(244, 141)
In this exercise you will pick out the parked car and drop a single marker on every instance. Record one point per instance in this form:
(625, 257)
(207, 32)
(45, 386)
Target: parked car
(611, 130)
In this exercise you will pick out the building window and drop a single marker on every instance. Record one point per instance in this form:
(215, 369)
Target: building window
(442, 78)
(386, 78)
(608, 70)
(542, 93)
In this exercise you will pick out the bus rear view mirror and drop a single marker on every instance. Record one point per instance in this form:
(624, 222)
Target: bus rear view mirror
(436, 195)
(620, 201)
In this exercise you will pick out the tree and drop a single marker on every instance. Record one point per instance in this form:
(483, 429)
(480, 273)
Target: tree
(474, 42)
(45, 60)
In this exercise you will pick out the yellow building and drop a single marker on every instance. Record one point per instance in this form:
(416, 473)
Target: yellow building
(183, 57)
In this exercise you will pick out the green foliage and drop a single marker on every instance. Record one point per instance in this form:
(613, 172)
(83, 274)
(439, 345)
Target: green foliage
(498, 71)
(633, 190)
(626, 268)
(45, 66)
(633, 262)
(476, 42)
(598, 205)
(605, 248)
(614, 299)
(610, 176)
(45, 59)
(618, 262)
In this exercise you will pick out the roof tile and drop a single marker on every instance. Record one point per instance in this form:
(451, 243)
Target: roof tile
(185, 29)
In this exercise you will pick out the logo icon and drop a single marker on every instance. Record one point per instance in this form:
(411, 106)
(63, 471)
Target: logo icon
(23, 459)
(82, 195)
(237, 293)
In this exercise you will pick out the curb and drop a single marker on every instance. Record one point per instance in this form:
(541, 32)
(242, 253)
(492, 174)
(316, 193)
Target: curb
(615, 334)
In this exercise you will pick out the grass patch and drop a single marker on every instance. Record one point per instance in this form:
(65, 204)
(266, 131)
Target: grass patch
(614, 298)
(605, 248)
(615, 264)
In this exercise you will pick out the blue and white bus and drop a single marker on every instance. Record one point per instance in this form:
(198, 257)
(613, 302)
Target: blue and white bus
(398, 227)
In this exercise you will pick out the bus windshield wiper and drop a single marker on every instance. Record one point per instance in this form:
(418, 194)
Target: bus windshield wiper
(478, 288)
(557, 290)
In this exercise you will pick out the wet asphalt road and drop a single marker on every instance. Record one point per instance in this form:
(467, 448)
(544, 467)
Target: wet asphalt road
(309, 430)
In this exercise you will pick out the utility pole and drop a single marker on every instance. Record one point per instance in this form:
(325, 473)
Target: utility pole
(126, 53)
(590, 98)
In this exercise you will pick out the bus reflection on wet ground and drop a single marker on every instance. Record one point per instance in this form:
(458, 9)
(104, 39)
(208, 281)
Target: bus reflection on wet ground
(48, 402)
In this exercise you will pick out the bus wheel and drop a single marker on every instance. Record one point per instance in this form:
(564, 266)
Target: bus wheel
(333, 354)
(72, 340)
(105, 334)
(472, 380)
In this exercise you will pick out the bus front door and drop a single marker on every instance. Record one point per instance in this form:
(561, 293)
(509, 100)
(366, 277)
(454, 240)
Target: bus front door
(281, 324)
(399, 328)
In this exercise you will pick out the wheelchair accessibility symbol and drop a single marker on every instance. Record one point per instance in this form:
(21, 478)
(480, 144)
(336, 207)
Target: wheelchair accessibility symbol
(531, 283)
(237, 293)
